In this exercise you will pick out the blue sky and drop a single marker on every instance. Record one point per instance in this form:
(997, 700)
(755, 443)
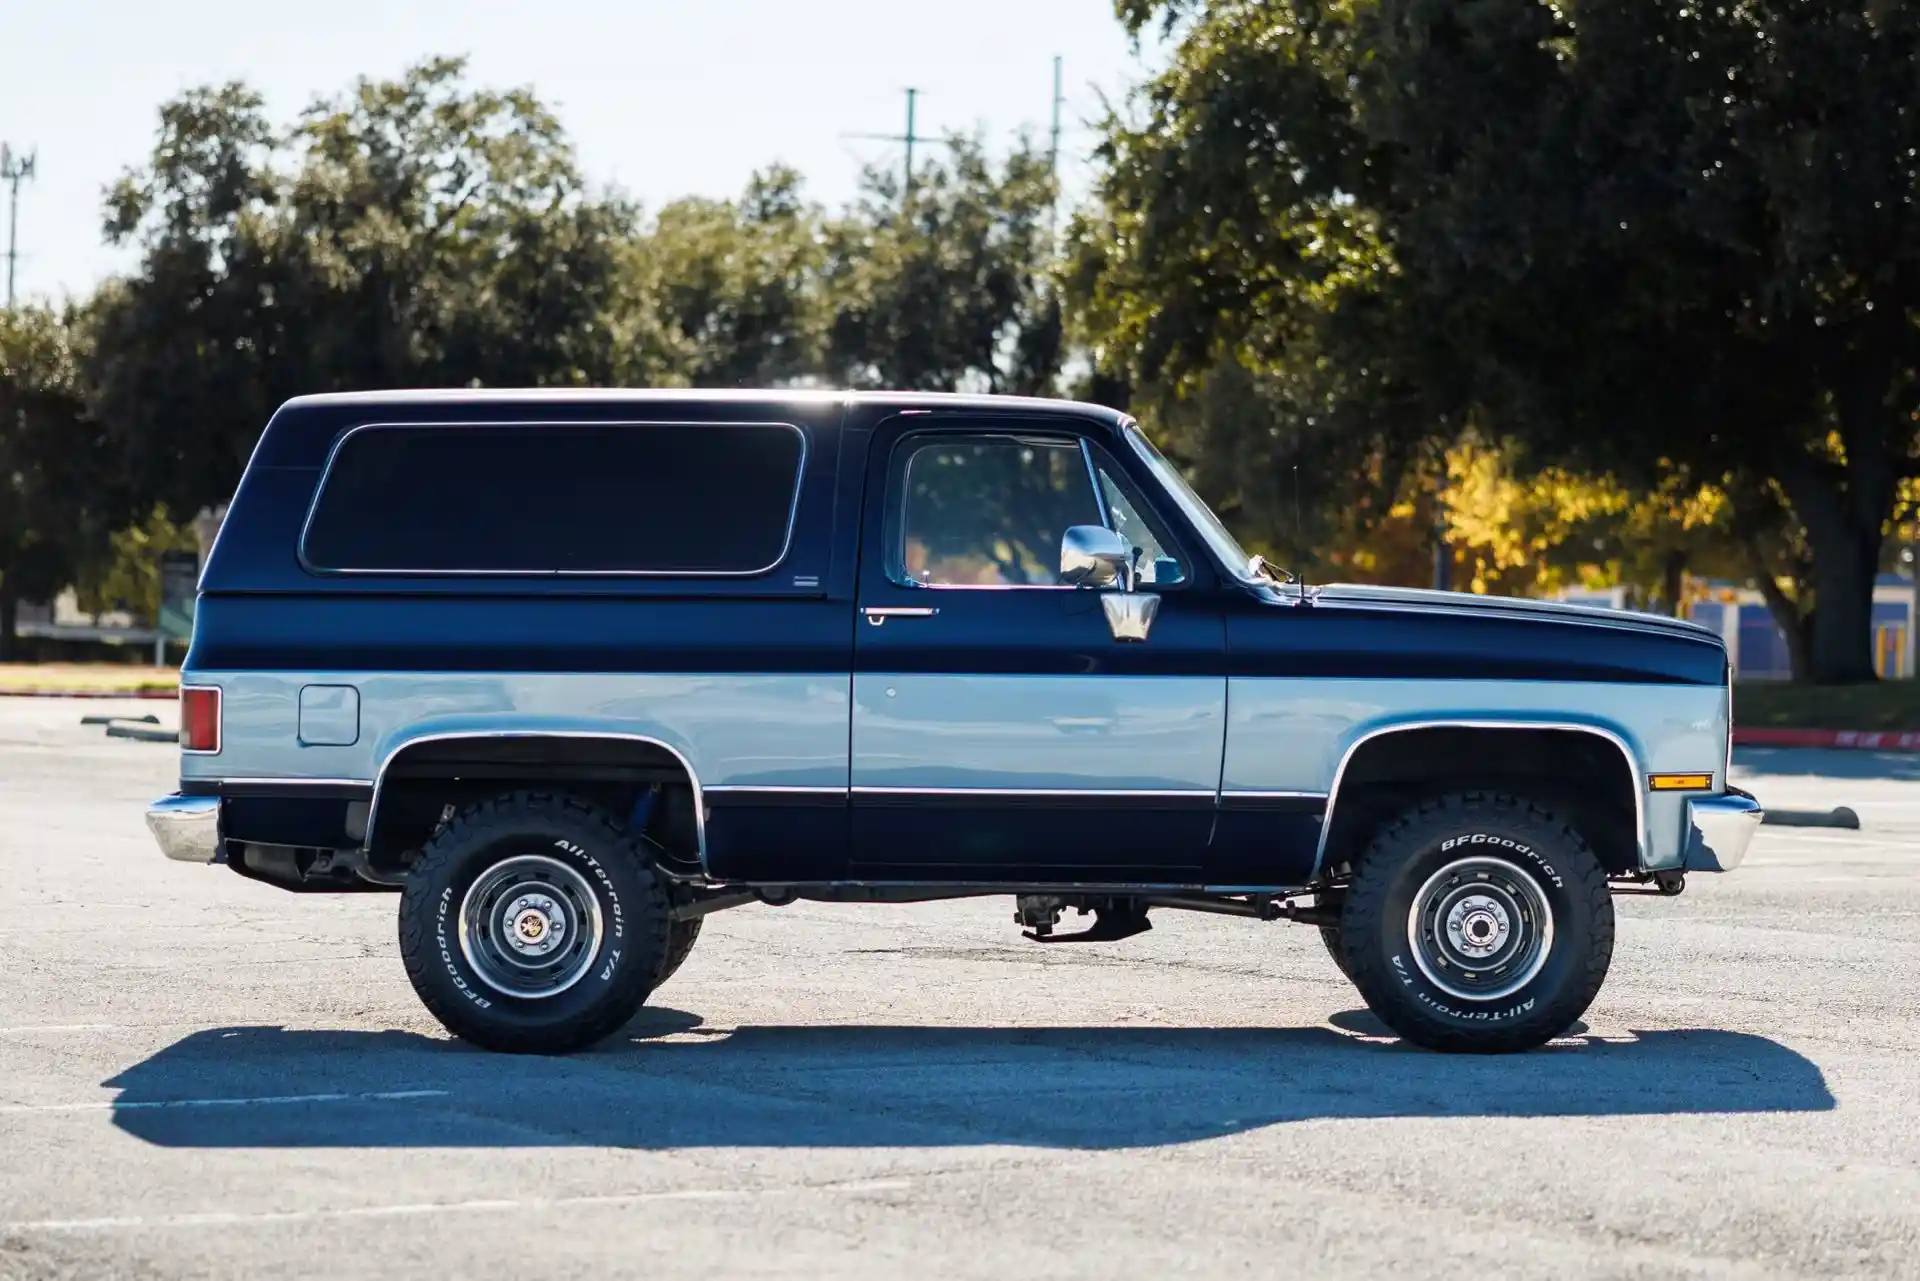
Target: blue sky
(662, 98)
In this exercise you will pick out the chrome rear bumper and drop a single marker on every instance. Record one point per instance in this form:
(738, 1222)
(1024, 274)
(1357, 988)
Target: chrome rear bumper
(1719, 829)
(187, 827)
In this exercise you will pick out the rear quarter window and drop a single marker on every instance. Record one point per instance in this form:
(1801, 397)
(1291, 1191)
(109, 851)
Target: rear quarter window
(557, 498)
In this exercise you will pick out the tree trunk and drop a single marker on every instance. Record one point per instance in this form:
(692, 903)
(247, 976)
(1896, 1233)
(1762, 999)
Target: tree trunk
(1673, 581)
(9, 613)
(1795, 626)
(1844, 566)
(1844, 514)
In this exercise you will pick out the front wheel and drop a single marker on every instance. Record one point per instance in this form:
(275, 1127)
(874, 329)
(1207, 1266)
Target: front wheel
(1478, 923)
(533, 924)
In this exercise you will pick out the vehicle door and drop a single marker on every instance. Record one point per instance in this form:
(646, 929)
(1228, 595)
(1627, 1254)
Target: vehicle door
(1007, 725)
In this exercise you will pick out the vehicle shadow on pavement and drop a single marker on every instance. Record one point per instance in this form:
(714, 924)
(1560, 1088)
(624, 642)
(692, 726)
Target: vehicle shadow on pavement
(667, 1082)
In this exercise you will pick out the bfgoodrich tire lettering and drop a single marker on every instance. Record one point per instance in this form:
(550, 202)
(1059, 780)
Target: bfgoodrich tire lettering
(553, 859)
(1478, 922)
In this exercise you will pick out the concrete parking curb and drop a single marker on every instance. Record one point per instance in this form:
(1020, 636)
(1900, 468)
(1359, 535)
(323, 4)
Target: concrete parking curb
(1860, 739)
(1840, 817)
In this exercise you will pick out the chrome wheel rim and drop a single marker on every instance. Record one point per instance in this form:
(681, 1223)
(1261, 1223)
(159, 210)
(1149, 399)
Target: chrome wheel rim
(1480, 929)
(530, 927)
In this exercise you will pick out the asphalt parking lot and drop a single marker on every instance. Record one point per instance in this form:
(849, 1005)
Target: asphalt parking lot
(200, 1075)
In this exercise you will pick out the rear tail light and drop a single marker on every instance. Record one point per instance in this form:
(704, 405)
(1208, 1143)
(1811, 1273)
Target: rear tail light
(200, 718)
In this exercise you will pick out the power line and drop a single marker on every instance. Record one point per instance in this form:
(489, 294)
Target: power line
(12, 170)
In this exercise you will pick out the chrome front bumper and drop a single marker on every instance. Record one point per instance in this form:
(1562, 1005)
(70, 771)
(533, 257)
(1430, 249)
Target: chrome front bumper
(187, 827)
(1719, 829)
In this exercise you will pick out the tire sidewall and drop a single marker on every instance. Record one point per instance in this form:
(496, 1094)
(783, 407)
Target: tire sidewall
(630, 948)
(1562, 976)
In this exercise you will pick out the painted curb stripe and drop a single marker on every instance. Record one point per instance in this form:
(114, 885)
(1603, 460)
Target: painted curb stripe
(1857, 739)
(155, 694)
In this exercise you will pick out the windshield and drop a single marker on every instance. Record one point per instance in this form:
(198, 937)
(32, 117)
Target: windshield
(1224, 545)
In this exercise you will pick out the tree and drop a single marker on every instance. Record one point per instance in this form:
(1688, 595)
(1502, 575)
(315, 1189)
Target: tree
(945, 287)
(1644, 240)
(56, 492)
(735, 287)
(417, 232)
(124, 572)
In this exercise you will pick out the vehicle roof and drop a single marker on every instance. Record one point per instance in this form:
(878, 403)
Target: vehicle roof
(684, 395)
(304, 429)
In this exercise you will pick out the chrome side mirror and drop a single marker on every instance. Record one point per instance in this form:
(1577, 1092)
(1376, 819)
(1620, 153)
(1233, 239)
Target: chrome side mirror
(1095, 556)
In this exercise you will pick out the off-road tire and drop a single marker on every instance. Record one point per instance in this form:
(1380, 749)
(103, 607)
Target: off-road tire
(1330, 935)
(1377, 935)
(634, 923)
(679, 942)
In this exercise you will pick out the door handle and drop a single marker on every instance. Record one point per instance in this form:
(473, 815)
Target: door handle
(877, 615)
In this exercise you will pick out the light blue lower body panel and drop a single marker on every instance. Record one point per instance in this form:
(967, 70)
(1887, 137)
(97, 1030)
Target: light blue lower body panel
(732, 730)
(1293, 735)
(1066, 733)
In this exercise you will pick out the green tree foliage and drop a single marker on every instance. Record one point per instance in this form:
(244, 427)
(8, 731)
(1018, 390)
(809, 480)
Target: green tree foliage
(417, 232)
(734, 288)
(57, 493)
(124, 574)
(1644, 240)
(945, 287)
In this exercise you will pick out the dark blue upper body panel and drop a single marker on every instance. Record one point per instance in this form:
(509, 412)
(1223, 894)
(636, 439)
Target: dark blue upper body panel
(262, 609)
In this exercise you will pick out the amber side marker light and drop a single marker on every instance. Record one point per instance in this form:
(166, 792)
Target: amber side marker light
(200, 719)
(1680, 782)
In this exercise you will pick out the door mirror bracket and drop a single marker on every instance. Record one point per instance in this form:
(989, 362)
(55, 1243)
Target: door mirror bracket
(1095, 556)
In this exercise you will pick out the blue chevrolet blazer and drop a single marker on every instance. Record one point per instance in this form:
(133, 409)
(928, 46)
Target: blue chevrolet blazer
(570, 671)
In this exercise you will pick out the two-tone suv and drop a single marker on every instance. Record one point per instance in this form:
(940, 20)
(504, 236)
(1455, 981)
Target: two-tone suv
(570, 671)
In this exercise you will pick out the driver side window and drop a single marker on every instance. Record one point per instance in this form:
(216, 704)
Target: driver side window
(989, 511)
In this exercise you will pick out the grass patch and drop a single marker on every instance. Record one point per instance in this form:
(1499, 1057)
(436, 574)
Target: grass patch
(1888, 705)
(87, 678)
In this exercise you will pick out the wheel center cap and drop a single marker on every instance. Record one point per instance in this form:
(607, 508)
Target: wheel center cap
(533, 925)
(1478, 926)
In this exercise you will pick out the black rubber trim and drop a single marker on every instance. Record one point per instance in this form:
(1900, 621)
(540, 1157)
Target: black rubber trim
(278, 788)
(753, 799)
(1314, 805)
(962, 798)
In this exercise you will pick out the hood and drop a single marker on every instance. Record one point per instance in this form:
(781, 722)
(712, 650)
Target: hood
(1436, 602)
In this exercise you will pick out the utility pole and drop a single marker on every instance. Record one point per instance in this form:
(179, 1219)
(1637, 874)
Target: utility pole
(1053, 150)
(913, 96)
(1442, 550)
(909, 138)
(1059, 100)
(12, 169)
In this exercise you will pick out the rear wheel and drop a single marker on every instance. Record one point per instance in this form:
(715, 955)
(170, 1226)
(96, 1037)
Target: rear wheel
(680, 940)
(533, 924)
(1478, 922)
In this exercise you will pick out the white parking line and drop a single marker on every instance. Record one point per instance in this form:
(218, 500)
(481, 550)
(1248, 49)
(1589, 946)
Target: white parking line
(59, 1027)
(237, 1219)
(115, 1105)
